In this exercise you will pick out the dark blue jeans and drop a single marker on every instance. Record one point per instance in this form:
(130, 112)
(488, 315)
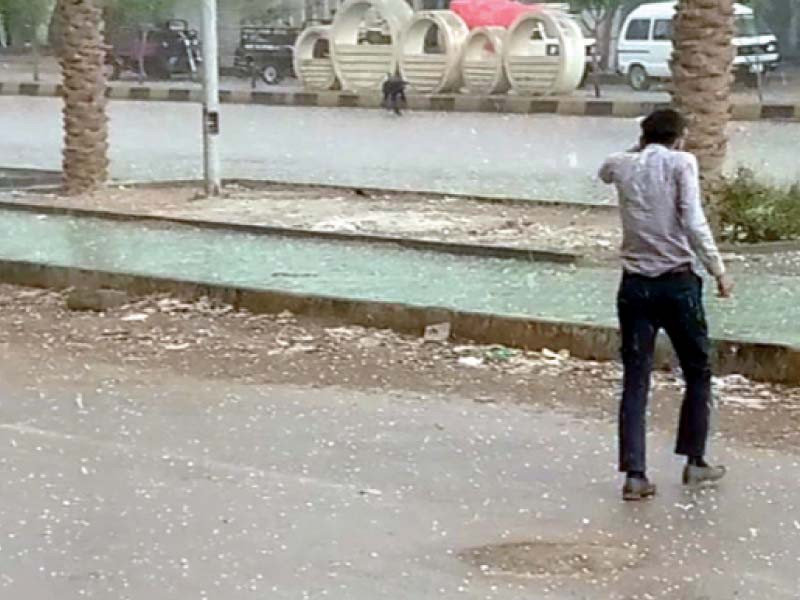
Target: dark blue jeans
(673, 302)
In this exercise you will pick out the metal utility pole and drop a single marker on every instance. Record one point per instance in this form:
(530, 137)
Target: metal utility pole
(37, 56)
(211, 163)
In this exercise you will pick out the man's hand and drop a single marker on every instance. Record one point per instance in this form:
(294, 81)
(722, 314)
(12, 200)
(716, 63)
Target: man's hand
(724, 286)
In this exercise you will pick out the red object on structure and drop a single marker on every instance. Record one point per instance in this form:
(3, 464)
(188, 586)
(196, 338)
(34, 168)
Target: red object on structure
(490, 13)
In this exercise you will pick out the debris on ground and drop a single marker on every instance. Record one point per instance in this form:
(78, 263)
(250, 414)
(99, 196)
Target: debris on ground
(438, 333)
(470, 361)
(740, 391)
(213, 340)
(95, 300)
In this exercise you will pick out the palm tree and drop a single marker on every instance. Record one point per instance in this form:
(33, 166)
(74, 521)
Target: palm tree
(85, 160)
(702, 80)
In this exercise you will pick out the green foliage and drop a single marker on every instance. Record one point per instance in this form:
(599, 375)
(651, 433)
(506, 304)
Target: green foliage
(26, 13)
(753, 211)
(122, 13)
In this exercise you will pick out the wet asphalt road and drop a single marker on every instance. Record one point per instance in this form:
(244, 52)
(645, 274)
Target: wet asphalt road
(538, 157)
(128, 485)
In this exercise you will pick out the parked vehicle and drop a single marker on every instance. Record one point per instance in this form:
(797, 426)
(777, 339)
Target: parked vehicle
(155, 52)
(266, 52)
(645, 46)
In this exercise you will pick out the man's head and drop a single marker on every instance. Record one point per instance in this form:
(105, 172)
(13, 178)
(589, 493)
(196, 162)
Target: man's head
(666, 127)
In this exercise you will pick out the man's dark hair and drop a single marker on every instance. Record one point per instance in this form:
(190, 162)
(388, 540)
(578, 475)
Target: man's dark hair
(663, 127)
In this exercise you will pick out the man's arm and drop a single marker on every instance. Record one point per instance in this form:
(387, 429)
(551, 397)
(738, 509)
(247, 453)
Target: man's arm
(606, 172)
(694, 220)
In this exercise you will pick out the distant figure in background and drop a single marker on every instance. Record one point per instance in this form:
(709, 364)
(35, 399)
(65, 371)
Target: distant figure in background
(394, 92)
(256, 73)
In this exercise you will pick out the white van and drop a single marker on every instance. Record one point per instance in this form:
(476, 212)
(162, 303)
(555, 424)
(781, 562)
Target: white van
(644, 50)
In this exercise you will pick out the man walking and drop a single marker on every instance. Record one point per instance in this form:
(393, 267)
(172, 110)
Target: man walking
(664, 233)
(394, 92)
(255, 73)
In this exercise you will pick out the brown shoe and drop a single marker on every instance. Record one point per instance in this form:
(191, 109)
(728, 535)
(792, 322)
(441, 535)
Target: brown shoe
(697, 476)
(637, 488)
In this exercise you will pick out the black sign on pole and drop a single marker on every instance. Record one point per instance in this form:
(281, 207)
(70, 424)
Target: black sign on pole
(211, 122)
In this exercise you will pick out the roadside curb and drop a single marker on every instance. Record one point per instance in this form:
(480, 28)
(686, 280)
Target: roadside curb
(17, 178)
(572, 106)
(758, 361)
(761, 247)
(457, 249)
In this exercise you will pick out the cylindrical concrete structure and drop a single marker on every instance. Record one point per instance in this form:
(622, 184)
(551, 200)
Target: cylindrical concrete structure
(574, 68)
(482, 61)
(433, 69)
(312, 60)
(360, 64)
(544, 54)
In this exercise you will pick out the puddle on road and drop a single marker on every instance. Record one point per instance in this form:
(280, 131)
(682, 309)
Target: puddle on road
(552, 559)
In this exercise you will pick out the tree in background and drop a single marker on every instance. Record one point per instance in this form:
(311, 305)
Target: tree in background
(600, 17)
(24, 18)
(783, 17)
(702, 76)
(122, 13)
(82, 57)
(793, 25)
(272, 15)
(119, 14)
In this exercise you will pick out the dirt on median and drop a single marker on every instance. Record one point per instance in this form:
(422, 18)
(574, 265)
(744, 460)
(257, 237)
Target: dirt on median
(564, 228)
(148, 336)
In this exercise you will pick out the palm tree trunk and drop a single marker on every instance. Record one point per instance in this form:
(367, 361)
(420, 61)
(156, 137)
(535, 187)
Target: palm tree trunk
(702, 80)
(85, 160)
